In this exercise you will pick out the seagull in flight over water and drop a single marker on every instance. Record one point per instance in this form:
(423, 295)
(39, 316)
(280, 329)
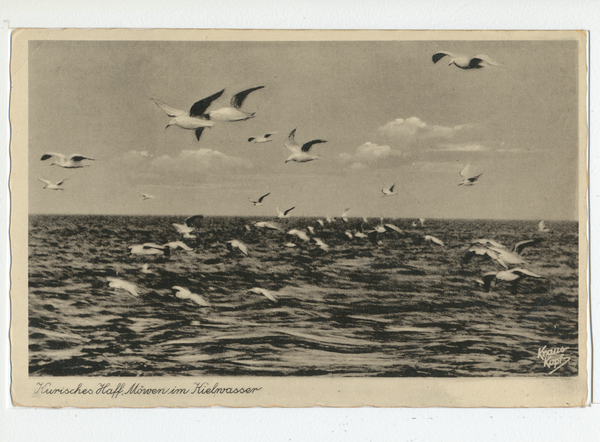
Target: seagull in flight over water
(389, 191)
(281, 214)
(117, 283)
(233, 112)
(512, 276)
(188, 226)
(183, 293)
(463, 62)
(73, 162)
(52, 186)
(468, 181)
(266, 138)
(259, 201)
(194, 119)
(263, 292)
(541, 225)
(300, 154)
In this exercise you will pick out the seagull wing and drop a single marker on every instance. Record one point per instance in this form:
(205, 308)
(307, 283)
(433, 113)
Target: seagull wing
(238, 99)
(393, 227)
(262, 197)
(486, 59)
(51, 154)
(518, 248)
(170, 111)
(193, 219)
(541, 225)
(291, 143)
(198, 132)
(199, 107)
(77, 157)
(465, 172)
(61, 182)
(46, 182)
(435, 240)
(526, 272)
(475, 178)
(288, 210)
(306, 146)
(438, 56)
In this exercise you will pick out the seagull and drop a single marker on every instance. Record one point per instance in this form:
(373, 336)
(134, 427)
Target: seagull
(281, 214)
(183, 293)
(485, 252)
(422, 221)
(320, 221)
(150, 248)
(433, 239)
(232, 113)
(52, 186)
(73, 162)
(299, 233)
(468, 181)
(345, 215)
(263, 292)
(289, 244)
(321, 244)
(235, 244)
(266, 138)
(541, 225)
(267, 225)
(259, 201)
(311, 229)
(486, 242)
(389, 191)
(476, 62)
(146, 270)
(300, 154)
(117, 283)
(349, 234)
(194, 119)
(513, 276)
(188, 226)
(174, 245)
(146, 196)
(388, 227)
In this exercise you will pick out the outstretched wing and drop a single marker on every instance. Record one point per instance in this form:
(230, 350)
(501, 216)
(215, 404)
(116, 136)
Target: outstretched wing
(192, 220)
(238, 99)
(199, 107)
(288, 210)
(438, 56)
(518, 248)
(526, 272)
(290, 142)
(306, 146)
(170, 111)
(475, 178)
(60, 183)
(49, 155)
(484, 58)
(77, 157)
(465, 172)
(198, 132)
(46, 182)
(262, 197)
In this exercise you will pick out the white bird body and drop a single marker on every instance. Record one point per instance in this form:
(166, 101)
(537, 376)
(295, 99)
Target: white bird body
(266, 138)
(300, 154)
(52, 186)
(345, 215)
(192, 120)
(259, 202)
(146, 270)
(183, 293)
(281, 214)
(389, 191)
(148, 249)
(433, 239)
(186, 229)
(321, 244)
(468, 181)
(311, 229)
(233, 112)
(146, 196)
(299, 233)
(391, 227)
(512, 276)
(290, 244)
(174, 245)
(263, 292)
(237, 245)
(464, 62)
(541, 226)
(360, 235)
(267, 225)
(117, 283)
(73, 162)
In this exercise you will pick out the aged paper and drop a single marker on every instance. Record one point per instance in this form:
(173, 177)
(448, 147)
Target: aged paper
(298, 218)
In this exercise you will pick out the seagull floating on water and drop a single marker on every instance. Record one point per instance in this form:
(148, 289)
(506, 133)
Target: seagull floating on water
(117, 283)
(183, 293)
(345, 215)
(463, 62)
(52, 186)
(194, 119)
(321, 244)
(433, 239)
(513, 276)
(263, 292)
(260, 200)
(233, 112)
(267, 225)
(234, 245)
(150, 248)
(299, 233)
(468, 181)
(300, 154)
(146, 270)
(266, 138)
(281, 214)
(541, 225)
(389, 191)
(73, 162)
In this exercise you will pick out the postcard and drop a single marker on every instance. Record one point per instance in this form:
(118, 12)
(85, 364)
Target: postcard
(298, 218)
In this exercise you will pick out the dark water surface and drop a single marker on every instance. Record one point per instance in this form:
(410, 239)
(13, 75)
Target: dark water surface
(402, 308)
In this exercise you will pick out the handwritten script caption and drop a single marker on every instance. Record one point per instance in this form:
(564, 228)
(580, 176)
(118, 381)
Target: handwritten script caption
(553, 358)
(122, 389)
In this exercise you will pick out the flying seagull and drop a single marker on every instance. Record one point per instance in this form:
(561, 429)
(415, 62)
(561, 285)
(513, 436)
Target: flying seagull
(150, 248)
(183, 293)
(194, 119)
(117, 283)
(233, 112)
(433, 239)
(259, 201)
(512, 276)
(237, 245)
(476, 62)
(299, 233)
(188, 226)
(52, 186)
(389, 191)
(263, 292)
(300, 154)
(345, 215)
(281, 214)
(266, 138)
(468, 181)
(146, 196)
(541, 225)
(73, 162)
(321, 244)
(267, 225)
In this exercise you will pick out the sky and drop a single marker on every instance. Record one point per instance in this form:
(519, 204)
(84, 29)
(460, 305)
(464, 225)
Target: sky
(388, 113)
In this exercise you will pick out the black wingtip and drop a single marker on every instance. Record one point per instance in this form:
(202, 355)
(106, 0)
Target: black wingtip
(437, 57)
(250, 139)
(199, 133)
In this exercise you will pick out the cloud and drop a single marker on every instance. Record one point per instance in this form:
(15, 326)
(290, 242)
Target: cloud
(415, 128)
(369, 153)
(201, 160)
(462, 147)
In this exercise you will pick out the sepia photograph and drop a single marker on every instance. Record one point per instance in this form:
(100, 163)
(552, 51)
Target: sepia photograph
(298, 218)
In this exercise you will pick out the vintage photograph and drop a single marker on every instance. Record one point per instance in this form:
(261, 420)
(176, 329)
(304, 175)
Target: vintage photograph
(298, 207)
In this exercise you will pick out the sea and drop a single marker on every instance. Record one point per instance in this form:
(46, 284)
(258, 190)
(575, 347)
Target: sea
(399, 307)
